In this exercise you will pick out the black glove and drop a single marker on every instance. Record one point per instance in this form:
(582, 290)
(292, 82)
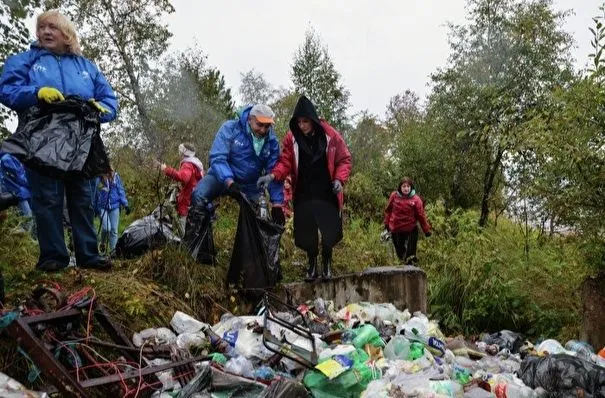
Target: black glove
(277, 214)
(427, 234)
(234, 190)
(127, 210)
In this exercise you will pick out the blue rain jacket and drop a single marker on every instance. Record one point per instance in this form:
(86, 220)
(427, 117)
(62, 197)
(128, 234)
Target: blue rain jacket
(110, 194)
(232, 156)
(25, 73)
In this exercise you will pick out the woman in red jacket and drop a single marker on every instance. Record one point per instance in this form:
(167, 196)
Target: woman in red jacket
(316, 157)
(403, 211)
(190, 172)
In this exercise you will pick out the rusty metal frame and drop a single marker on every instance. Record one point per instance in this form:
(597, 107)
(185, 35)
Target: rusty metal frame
(24, 331)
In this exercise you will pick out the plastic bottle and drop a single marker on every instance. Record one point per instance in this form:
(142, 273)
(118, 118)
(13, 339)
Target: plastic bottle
(218, 343)
(263, 208)
(436, 346)
(367, 334)
(584, 350)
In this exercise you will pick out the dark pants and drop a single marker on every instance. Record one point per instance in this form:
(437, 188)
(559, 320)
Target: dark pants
(47, 204)
(405, 244)
(312, 216)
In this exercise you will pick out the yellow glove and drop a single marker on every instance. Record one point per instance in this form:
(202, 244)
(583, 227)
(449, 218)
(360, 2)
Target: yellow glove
(50, 94)
(97, 106)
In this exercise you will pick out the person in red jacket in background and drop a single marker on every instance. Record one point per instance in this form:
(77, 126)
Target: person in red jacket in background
(403, 211)
(318, 161)
(288, 197)
(189, 173)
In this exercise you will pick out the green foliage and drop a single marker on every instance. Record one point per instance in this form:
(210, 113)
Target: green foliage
(365, 197)
(503, 65)
(314, 75)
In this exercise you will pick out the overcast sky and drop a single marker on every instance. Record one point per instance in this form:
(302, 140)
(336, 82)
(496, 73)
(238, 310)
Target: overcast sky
(380, 47)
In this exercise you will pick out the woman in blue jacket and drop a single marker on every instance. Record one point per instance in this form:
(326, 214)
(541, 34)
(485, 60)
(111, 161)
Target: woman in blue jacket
(110, 197)
(50, 70)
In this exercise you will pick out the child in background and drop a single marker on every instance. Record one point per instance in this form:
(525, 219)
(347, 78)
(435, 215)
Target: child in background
(404, 210)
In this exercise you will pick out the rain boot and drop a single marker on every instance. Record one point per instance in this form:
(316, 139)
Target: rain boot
(7, 200)
(326, 257)
(312, 272)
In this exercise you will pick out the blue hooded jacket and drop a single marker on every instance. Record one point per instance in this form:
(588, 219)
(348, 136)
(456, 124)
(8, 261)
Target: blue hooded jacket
(13, 178)
(232, 156)
(110, 194)
(25, 73)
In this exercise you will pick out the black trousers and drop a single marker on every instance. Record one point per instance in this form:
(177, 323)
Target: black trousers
(312, 216)
(405, 243)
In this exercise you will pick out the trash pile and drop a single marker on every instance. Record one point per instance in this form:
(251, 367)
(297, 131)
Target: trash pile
(374, 350)
(362, 350)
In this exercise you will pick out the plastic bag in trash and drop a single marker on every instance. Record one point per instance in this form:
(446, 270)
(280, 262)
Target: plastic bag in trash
(11, 388)
(183, 323)
(563, 373)
(255, 255)
(143, 235)
(240, 366)
(505, 339)
(60, 140)
(284, 388)
(153, 336)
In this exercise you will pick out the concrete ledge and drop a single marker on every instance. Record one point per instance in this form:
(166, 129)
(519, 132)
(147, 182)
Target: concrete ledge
(404, 287)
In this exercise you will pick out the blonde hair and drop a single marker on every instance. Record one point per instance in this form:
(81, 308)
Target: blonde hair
(66, 27)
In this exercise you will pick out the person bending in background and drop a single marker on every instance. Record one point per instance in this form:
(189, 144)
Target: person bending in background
(110, 198)
(190, 172)
(52, 69)
(404, 210)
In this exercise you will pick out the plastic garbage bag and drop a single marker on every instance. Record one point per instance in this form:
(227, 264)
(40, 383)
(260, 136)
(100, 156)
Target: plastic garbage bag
(188, 341)
(255, 255)
(284, 388)
(154, 336)
(505, 339)
(11, 388)
(183, 323)
(397, 348)
(563, 373)
(143, 235)
(233, 386)
(240, 366)
(60, 140)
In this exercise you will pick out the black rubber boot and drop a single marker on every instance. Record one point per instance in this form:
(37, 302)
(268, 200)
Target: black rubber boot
(326, 259)
(7, 200)
(195, 217)
(312, 272)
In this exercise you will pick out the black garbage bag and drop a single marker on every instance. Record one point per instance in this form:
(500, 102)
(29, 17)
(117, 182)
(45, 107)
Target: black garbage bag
(284, 388)
(60, 140)
(562, 373)
(255, 254)
(144, 234)
(505, 339)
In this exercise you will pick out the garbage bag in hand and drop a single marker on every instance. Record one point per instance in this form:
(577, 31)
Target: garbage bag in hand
(144, 234)
(60, 140)
(255, 253)
(562, 373)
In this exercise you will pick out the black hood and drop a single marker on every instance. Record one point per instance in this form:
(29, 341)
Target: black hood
(304, 108)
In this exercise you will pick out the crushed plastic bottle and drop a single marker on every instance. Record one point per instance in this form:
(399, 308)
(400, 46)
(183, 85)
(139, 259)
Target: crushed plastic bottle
(263, 207)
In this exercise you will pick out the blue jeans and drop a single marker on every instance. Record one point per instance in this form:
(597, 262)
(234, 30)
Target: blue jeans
(47, 205)
(210, 188)
(110, 219)
(26, 212)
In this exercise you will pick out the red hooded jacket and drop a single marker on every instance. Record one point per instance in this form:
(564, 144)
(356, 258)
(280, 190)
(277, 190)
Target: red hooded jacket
(338, 158)
(188, 175)
(402, 213)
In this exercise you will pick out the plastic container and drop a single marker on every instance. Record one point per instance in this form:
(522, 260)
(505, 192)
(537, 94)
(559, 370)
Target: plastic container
(263, 208)
(584, 350)
(551, 346)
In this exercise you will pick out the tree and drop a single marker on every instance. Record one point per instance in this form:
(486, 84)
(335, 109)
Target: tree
(189, 101)
(14, 38)
(504, 64)
(314, 75)
(254, 89)
(283, 106)
(125, 38)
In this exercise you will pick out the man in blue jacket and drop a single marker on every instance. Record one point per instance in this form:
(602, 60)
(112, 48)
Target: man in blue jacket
(243, 150)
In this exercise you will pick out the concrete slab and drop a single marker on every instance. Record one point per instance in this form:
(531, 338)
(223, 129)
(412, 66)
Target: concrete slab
(404, 287)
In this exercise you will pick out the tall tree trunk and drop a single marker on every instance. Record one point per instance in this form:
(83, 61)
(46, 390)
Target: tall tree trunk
(488, 185)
